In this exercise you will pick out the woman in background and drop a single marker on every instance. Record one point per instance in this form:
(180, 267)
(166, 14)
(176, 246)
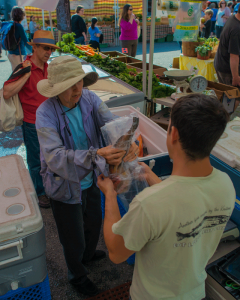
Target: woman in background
(14, 56)
(32, 26)
(94, 34)
(223, 14)
(129, 33)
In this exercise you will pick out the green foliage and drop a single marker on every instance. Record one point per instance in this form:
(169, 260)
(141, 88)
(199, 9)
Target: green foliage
(130, 76)
(68, 45)
(203, 49)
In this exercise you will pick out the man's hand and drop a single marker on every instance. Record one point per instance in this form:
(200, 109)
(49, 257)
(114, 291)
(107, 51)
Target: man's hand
(151, 177)
(105, 184)
(236, 81)
(133, 153)
(113, 156)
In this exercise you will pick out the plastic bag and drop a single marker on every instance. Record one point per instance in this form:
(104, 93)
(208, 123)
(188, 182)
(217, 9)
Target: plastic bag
(186, 25)
(128, 177)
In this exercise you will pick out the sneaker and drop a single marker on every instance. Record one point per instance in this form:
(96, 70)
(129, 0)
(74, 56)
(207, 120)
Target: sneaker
(44, 202)
(87, 287)
(98, 255)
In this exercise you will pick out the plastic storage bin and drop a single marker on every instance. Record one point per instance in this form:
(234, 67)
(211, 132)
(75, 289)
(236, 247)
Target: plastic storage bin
(154, 137)
(39, 291)
(22, 237)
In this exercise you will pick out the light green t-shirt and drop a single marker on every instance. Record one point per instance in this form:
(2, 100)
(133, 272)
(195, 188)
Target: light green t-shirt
(175, 227)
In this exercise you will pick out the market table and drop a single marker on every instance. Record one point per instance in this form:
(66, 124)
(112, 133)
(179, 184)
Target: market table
(205, 67)
(108, 35)
(161, 31)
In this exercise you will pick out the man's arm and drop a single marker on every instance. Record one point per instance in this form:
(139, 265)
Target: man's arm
(118, 253)
(13, 88)
(234, 65)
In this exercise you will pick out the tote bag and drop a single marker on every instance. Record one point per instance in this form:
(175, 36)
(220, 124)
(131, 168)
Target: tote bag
(11, 112)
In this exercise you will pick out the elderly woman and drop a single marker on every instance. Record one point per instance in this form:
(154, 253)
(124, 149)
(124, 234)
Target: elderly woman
(68, 126)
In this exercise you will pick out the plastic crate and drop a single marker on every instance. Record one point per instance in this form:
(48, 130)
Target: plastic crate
(39, 291)
(161, 40)
(169, 38)
(103, 45)
(131, 259)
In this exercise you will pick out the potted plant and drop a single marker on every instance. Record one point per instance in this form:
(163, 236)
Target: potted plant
(203, 51)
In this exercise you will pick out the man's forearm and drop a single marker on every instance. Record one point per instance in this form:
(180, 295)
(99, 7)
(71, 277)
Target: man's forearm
(13, 88)
(234, 65)
(112, 216)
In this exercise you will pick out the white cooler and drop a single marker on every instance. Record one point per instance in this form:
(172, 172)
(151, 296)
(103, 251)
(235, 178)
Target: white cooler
(22, 237)
(227, 148)
(154, 137)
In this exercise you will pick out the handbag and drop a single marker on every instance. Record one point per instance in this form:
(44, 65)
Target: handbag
(139, 31)
(11, 112)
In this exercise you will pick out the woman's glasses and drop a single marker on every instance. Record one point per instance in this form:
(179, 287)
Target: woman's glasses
(130, 9)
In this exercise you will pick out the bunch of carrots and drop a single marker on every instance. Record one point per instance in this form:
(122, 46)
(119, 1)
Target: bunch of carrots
(87, 49)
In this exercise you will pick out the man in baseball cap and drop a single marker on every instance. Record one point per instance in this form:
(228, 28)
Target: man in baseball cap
(43, 44)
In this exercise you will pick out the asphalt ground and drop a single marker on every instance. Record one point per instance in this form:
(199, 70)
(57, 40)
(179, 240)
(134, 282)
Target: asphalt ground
(104, 273)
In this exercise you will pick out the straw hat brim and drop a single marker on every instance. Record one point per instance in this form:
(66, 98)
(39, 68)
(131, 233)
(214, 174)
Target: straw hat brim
(45, 89)
(50, 45)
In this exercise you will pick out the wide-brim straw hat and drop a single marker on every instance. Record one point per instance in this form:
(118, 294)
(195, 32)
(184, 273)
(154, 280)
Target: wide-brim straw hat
(64, 72)
(43, 37)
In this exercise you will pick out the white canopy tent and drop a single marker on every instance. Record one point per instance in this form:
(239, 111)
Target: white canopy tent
(50, 5)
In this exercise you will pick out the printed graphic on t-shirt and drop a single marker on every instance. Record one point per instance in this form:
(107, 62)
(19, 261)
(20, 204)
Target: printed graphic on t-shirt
(203, 224)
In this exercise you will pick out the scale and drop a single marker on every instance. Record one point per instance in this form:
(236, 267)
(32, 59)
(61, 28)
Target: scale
(197, 84)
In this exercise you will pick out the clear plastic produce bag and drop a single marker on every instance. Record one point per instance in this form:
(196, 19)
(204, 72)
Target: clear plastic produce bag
(128, 177)
(186, 25)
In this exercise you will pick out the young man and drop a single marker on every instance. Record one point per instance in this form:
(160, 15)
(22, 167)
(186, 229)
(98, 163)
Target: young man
(175, 226)
(207, 25)
(26, 86)
(226, 62)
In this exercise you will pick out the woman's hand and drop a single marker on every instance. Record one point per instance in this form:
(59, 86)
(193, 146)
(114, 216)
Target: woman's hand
(137, 21)
(105, 184)
(113, 156)
(133, 153)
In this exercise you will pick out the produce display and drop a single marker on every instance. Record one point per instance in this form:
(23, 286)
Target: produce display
(130, 76)
(111, 66)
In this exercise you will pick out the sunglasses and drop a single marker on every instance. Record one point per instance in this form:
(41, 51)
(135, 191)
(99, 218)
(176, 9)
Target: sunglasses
(130, 9)
(46, 48)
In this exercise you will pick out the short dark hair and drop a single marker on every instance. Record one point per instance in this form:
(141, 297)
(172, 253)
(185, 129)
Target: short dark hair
(31, 18)
(229, 4)
(200, 121)
(17, 14)
(78, 8)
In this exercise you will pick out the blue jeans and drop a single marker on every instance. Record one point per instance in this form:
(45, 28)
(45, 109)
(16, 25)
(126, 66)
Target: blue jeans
(33, 156)
(80, 40)
(218, 31)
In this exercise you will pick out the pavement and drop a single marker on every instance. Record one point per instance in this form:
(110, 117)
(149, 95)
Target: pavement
(104, 273)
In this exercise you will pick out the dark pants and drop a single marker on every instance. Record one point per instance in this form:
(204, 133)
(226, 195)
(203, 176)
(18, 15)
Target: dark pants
(131, 45)
(33, 156)
(80, 40)
(78, 229)
(213, 26)
(95, 45)
(218, 31)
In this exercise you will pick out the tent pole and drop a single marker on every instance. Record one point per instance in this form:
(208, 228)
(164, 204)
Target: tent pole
(144, 44)
(152, 36)
(50, 18)
(43, 19)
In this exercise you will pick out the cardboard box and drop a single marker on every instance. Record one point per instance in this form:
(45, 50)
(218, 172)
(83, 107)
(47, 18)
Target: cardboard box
(113, 53)
(162, 118)
(175, 63)
(226, 94)
(127, 59)
(156, 69)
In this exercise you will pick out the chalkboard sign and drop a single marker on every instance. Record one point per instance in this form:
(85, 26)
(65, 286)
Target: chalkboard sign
(63, 16)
